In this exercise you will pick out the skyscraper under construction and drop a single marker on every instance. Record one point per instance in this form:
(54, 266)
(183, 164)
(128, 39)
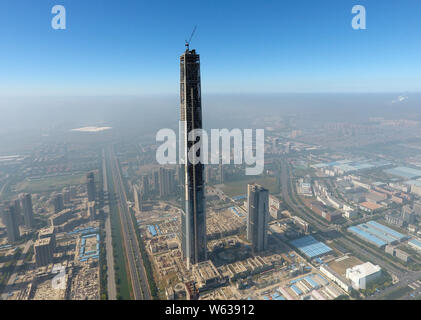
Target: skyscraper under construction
(193, 220)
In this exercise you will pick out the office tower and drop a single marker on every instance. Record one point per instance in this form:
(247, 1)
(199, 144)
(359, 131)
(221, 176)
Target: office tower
(180, 175)
(221, 173)
(66, 195)
(43, 252)
(163, 184)
(91, 209)
(145, 186)
(58, 203)
(90, 186)
(193, 219)
(11, 223)
(208, 173)
(156, 180)
(171, 179)
(417, 208)
(28, 211)
(257, 217)
(73, 192)
(137, 198)
(166, 182)
(18, 208)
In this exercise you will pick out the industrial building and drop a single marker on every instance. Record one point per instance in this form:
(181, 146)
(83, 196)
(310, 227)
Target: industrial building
(361, 275)
(377, 234)
(415, 244)
(310, 247)
(335, 277)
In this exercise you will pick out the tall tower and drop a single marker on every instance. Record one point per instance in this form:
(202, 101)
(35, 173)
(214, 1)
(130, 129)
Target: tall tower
(28, 211)
(90, 185)
(58, 202)
(193, 219)
(257, 217)
(10, 220)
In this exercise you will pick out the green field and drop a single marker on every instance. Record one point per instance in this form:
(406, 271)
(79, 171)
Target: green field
(236, 188)
(49, 184)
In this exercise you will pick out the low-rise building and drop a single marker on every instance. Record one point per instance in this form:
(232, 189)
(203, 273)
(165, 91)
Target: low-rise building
(335, 277)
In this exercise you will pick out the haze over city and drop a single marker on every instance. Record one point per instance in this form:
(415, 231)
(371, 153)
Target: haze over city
(91, 211)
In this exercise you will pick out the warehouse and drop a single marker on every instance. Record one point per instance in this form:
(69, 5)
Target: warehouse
(310, 247)
(377, 234)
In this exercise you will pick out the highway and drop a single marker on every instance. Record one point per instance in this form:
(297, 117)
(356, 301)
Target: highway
(111, 287)
(139, 280)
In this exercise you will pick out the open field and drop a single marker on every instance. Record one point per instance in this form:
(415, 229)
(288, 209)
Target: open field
(236, 188)
(49, 183)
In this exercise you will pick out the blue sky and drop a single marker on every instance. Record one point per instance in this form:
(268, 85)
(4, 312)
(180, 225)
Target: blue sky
(133, 46)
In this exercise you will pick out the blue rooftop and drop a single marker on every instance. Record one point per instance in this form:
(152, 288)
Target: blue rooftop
(310, 247)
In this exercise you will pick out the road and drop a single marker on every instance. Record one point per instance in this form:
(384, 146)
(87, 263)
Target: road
(111, 286)
(139, 280)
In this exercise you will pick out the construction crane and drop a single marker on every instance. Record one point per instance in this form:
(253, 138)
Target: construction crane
(188, 42)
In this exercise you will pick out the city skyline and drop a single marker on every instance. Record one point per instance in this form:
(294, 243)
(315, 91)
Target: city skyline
(313, 188)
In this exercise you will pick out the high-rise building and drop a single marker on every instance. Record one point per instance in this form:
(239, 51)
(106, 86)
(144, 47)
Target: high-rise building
(66, 195)
(257, 217)
(145, 186)
(48, 232)
(417, 208)
(58, 202)
(28, 211)
(10, 220)
(208, 173)
(137, 198)
(180, 175)
(193, 219)
(18, 208)
(156, 180)
(43, 252)
(91, 210)
(166, 182)
(90, 186)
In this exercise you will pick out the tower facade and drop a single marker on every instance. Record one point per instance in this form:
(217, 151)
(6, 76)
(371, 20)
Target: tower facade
(257, 217)
(193, 218)
(10, 220)
(90, 186)
(28, 211)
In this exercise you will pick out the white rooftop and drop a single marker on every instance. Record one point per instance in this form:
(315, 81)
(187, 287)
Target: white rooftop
(362, 270)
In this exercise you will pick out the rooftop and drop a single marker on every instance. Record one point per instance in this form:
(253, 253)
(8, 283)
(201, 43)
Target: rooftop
(363, 270)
